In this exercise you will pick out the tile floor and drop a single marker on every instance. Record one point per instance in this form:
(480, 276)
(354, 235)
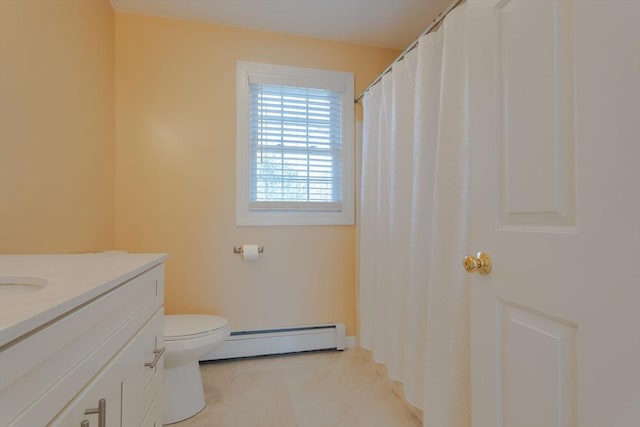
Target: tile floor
(318, 389)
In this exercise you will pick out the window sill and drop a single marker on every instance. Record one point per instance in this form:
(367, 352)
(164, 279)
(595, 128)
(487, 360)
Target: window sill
(280, 218)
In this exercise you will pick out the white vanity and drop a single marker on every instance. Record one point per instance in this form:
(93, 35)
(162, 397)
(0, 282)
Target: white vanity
(81, 340)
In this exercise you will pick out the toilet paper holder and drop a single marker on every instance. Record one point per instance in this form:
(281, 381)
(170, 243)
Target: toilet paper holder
(238, 249)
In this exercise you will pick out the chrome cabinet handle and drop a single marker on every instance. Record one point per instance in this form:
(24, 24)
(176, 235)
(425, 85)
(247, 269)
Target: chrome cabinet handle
(158, 354)
(84, 423)
(101, 410)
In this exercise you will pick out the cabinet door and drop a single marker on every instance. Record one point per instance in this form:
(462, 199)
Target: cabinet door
(145, 369)
(150, 369)
(108, 386)
(155, 413)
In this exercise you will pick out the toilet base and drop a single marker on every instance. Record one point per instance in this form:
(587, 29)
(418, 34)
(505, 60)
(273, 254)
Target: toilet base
(183, 392)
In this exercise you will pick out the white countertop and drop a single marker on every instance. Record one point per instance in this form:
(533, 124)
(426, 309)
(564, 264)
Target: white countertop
(72, 280)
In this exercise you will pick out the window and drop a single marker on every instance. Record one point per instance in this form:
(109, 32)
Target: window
(294, 145)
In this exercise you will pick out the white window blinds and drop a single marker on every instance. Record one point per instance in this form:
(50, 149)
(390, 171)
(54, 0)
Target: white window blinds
(295, 148)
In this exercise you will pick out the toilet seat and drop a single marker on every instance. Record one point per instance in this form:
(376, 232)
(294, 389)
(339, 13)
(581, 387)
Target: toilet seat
(188, 326)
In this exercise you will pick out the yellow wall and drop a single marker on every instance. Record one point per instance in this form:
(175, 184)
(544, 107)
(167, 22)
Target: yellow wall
(57, 184)
(175, 161)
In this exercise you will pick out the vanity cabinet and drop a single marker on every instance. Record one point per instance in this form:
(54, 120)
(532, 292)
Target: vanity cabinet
(99, 365)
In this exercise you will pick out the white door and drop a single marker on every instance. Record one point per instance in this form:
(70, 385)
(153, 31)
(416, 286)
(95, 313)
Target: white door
(554, 122)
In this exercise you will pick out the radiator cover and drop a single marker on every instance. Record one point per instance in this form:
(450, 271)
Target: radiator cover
(264, 342)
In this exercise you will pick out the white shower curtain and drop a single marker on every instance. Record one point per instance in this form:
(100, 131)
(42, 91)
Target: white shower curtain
(413, 300)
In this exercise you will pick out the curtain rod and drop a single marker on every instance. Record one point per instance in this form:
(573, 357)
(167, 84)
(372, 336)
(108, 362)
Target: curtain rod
(412, 46)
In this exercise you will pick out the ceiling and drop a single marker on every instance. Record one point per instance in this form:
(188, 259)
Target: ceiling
(382, 23)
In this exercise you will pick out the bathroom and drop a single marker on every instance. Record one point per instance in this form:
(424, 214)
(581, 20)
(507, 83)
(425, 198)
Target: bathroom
(118, 133)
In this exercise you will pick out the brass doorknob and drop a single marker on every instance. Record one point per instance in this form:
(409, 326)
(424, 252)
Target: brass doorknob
(480, 263)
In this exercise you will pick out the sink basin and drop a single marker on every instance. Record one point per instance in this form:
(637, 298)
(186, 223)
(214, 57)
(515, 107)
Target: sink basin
(21, 284)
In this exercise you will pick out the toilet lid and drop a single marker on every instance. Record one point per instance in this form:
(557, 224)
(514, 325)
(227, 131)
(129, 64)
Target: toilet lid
(182, 325)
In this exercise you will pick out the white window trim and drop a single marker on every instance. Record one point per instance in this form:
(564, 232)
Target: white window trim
(248, 72)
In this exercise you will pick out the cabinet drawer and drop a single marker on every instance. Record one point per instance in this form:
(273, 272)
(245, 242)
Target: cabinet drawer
(68, 353)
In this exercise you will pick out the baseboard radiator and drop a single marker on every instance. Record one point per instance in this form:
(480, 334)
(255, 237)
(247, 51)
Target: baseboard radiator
(280, 341)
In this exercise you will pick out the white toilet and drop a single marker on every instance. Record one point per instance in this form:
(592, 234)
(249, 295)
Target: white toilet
(187, 338)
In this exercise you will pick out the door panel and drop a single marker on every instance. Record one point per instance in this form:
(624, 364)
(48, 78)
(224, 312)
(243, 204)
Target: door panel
(542, 393)
(534, 67)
